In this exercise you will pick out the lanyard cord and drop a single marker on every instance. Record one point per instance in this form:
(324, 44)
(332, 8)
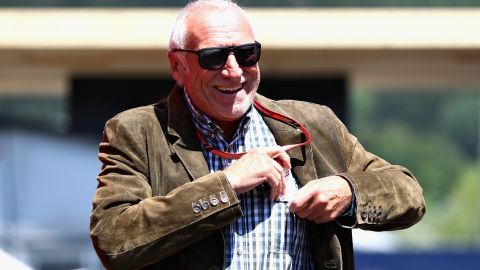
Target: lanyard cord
(268, 113)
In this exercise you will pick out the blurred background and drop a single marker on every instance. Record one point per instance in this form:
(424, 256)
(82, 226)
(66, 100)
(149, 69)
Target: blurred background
(404, 75)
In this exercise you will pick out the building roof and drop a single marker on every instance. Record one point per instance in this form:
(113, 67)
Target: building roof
(376, 47)
(310, 28)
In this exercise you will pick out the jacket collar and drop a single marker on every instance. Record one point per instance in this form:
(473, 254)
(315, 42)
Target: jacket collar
(185, 144)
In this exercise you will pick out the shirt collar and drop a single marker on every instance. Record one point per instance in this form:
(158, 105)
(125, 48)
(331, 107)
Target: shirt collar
(209, 128)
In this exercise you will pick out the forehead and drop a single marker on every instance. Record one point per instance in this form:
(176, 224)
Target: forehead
(225, 27)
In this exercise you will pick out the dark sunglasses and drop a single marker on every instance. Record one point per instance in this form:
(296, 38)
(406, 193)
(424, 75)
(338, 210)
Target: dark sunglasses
(215, 57)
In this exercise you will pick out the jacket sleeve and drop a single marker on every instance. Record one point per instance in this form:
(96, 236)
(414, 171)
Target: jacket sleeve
(129, 227)
(388, 197)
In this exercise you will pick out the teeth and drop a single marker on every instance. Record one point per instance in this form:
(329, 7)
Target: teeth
(229, 88)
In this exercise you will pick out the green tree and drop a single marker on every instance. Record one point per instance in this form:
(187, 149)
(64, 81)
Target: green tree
(435, 134)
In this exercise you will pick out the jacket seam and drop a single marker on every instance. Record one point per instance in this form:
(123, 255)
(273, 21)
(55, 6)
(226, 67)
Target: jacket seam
(346, 162)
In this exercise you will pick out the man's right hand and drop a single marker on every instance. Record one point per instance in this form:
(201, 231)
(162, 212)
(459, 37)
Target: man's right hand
(258, 166)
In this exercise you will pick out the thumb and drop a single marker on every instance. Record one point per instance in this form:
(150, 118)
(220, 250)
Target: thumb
(301, 199)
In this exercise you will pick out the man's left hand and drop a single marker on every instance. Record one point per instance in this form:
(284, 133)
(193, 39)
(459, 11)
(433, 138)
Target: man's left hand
(322, 200)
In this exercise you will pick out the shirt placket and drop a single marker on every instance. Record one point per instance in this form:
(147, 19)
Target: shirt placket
(273, 229)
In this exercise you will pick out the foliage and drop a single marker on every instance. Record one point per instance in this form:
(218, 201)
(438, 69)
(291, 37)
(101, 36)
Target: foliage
(461, 219)
(432, 159)
(435, 135)
(448, 114)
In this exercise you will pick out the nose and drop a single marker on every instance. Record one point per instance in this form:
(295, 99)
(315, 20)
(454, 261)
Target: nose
(232, 68)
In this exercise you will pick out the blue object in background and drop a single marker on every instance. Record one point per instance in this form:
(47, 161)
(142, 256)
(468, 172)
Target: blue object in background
(433, 260)
(47, 182)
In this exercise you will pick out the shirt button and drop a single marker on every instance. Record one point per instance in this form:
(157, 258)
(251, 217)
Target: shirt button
(239, 251)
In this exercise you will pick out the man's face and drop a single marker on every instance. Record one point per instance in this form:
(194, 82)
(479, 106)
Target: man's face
(224, 94)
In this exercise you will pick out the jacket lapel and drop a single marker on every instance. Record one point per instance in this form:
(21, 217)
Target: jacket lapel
(184, 143)
(301, 158)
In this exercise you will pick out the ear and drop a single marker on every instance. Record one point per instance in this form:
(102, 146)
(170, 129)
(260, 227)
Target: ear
(177, 67)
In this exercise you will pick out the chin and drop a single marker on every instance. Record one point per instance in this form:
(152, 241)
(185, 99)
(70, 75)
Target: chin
(233, 116)
(238, 115)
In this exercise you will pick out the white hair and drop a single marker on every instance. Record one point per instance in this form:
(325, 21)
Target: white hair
(179, 36)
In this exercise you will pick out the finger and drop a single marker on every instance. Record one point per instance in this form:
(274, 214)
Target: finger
(280, 179)
(307, 211)
(278, 167)
(283, 159)
(283, 180)
(281, 185)
(279, 155)
(302, 198)
(320, 219)
(323, 216)
(274, 183)
(273, 191)
(322, 212)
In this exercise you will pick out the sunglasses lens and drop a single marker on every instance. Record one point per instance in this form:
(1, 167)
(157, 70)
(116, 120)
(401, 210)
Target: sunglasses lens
(213, 58)
(247, 55)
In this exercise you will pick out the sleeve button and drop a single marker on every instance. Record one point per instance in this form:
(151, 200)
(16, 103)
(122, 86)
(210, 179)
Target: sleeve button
(364, 215)
(196, 208)
(204, 203)
(213, 200)
(223, 197)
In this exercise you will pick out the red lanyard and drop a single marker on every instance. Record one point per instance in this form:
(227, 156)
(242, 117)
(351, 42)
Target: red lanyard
(268, 113)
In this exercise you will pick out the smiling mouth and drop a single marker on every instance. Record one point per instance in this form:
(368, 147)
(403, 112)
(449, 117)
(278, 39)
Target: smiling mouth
(230, 89)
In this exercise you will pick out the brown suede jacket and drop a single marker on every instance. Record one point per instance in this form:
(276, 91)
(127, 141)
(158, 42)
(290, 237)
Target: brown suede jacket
(154, 177)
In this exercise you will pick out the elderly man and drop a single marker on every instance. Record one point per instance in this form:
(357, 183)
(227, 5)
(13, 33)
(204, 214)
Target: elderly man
(217, 176)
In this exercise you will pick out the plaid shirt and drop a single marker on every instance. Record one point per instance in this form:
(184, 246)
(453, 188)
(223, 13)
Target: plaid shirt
(267, 236)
